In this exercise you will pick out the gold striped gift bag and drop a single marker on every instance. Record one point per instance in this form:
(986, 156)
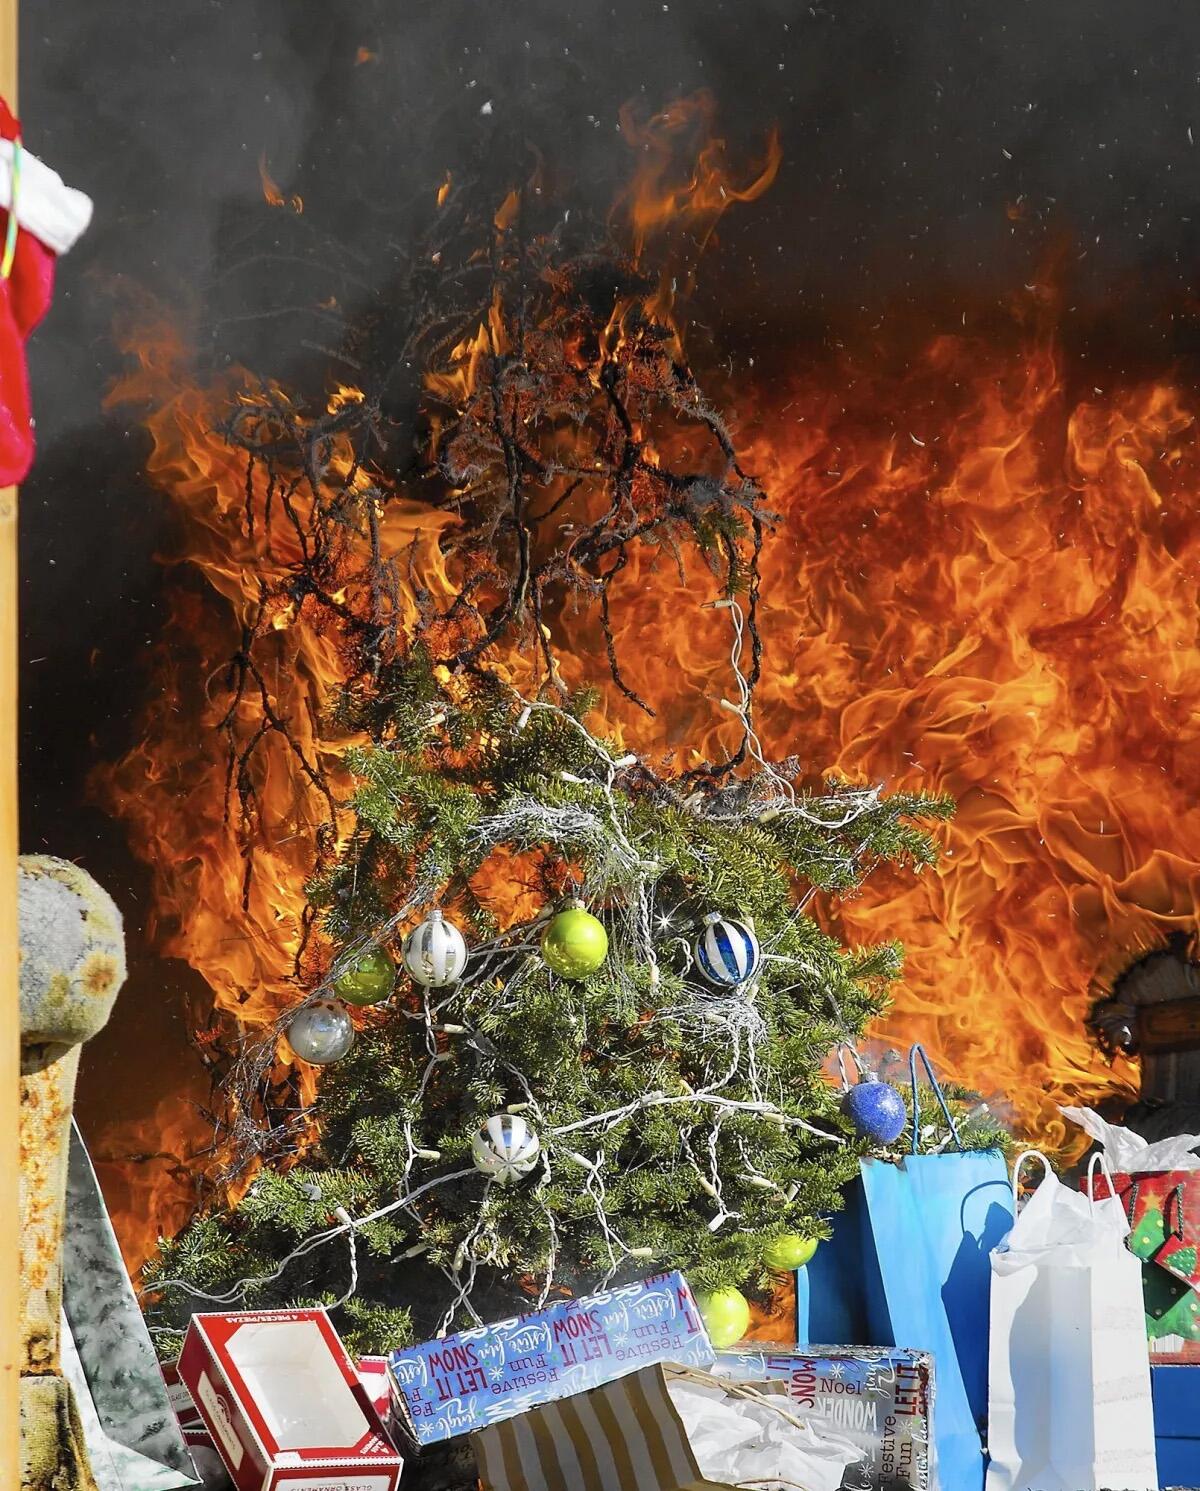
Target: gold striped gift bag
(622, 1436)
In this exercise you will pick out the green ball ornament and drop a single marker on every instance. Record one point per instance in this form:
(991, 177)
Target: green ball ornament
(726, 1316)
(574, 943)
(788, 1251)
(371, 979)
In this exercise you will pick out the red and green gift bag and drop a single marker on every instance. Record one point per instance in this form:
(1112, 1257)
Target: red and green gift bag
(1163, 1208)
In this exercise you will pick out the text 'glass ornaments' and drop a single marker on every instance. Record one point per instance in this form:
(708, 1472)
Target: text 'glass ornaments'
(505, 1148)
(371, 979)
(574, 943)
(321, 1032)
(435, 953)
(727, 951)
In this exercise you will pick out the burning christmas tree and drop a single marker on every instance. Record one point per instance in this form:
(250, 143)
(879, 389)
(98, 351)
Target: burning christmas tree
(593, 1006)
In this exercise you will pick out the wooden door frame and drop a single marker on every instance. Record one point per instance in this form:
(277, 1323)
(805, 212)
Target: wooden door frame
(10, 1022)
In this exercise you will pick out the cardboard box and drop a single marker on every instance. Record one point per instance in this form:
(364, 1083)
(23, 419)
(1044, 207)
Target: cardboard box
(372, 1373)
(481, 1376)
(881, 1397)
(209, 1465)
(283, 1403)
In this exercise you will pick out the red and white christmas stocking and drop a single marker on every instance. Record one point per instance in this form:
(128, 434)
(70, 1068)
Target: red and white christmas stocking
(50, 216)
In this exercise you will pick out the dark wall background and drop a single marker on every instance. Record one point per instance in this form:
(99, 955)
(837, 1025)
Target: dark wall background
(935, 157)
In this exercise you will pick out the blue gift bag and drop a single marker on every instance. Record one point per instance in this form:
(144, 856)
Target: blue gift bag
(908, 1265)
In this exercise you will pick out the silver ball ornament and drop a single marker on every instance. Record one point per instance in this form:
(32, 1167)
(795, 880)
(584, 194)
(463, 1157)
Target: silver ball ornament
(321, 1032)
(505, 1148)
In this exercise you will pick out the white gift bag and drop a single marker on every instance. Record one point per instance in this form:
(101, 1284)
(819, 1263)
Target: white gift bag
(1069, 1367)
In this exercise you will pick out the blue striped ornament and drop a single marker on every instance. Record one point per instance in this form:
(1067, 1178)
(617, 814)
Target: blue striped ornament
(727, 952)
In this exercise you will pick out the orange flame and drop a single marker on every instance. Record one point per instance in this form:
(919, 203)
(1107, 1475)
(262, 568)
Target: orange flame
(979, 582)
(241, 931)
(992, 596)
(271, 191)
(684, 180)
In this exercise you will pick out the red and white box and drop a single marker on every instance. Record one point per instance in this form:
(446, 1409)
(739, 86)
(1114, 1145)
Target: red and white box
(373, 1374)
(284, 1405)
(207, 1463)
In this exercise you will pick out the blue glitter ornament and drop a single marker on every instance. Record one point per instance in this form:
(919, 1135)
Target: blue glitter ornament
(876, 1110)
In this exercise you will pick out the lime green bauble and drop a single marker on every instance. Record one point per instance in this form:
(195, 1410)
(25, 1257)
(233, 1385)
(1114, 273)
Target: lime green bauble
(726, 1316)
(371, 979)
(788, 1251)
(575, 943)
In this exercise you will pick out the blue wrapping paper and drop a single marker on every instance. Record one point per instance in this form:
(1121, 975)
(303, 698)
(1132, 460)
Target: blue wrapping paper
(476, 1377)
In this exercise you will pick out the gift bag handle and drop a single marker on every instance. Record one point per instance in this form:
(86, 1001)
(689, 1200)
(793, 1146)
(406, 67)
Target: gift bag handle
(1027, 1154)
(1176, 1230)
(1099, 1161)
(1131, 1200)
(919, 1050)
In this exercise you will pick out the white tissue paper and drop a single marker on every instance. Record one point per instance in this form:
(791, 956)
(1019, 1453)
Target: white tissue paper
(738, 1440)
(1128, 1153)
(1059, 1218)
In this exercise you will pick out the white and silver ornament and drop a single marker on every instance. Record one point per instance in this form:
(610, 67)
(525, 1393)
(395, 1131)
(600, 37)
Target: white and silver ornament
(727, 951)
(505, 1148)
(321, 1032)
(434, 952)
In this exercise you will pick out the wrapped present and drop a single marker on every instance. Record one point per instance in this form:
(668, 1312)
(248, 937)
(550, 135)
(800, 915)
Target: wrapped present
(1163, 1208)
(284, 1404)
(1172, 1315)
(1176, 1394)
(480, 1376)
(665, 1428)
(879, 1397)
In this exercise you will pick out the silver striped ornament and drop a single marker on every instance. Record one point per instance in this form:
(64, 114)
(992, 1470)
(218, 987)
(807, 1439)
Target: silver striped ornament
(727, 951)
(434, 952)
(505, 1148)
